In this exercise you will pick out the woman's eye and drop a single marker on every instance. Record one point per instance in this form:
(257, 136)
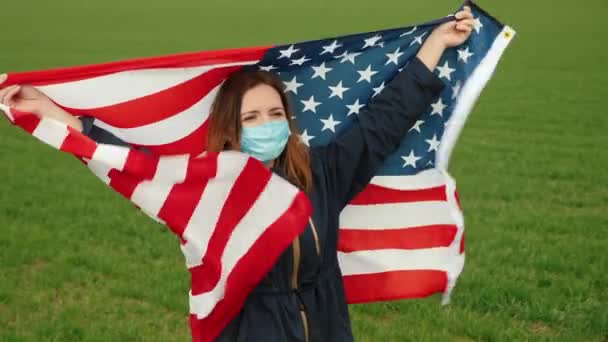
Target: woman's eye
(248, 118)
(277, 113)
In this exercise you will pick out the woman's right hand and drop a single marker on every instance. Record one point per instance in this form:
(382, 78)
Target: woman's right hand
(25, 98)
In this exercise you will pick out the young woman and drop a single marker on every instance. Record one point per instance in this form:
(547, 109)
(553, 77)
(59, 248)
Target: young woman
(302, 297)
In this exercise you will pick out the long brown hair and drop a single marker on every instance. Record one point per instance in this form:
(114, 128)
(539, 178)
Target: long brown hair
(225, 126)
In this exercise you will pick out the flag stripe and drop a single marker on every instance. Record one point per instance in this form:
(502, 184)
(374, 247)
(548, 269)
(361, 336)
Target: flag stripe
(409, 238)
(413, 214)
(374, 194)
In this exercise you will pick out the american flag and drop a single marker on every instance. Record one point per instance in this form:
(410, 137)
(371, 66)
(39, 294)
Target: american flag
(401, 237)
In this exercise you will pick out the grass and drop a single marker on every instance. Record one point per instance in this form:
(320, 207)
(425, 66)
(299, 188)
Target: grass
(78, 263)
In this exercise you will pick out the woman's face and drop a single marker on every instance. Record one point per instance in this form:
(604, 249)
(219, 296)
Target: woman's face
(261, 104)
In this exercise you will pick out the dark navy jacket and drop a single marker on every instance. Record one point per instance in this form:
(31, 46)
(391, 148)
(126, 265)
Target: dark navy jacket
(275, 311)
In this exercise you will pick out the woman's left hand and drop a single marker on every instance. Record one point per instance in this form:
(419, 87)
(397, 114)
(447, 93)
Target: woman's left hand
(454, 33)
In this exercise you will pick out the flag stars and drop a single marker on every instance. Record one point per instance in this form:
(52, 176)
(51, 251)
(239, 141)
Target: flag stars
(433, 143)
(378, 89)
(445, 71)
(330, 123)
(394, 57)
(366, 75)
(456, 90)
(310, 105)
(371, 42)
(268, 67)
(331, 48)
(306, 138)
(418, 39)
(438, 107)
(320, 71)
(408, 32)
(416, 126)
(354, 108)
(288, 52)
(464, 55)
(292, 86)
(410, 159)
(350, 57)
(299, 61)
(477, 25)
(338, 90)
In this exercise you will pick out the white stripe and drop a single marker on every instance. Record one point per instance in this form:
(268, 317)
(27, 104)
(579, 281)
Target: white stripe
(168, 130)
(386, 260)
(171, 169)
(51, 131)
(469, 94)
(395, 215)
(101, 170)
(456, 263)
(276, 198)
(123, 86)
(430, 178)
(206, 214)
(7, 111)
(111, 155)
(150, 196)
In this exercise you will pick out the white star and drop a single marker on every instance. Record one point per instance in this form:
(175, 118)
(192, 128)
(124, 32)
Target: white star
(268, 67)
(292, 85)
(378, 89)
(331, 48)
(411, 159)
(330, 123)
(354, 108)
(288, 52)
(433, 143)
(456, 90)
(338, 90)
(310, 105)
(438, 107)
(416, 126)
(394, 57)
(299, 61)
(342, 55)
(408, 32)
(321, 70)
(478, 25)
(370, 42)
(366, 74)
(350, 57)
(464, 55)
(430, 162)
(418, 39)
(306, 138)
(445, 71)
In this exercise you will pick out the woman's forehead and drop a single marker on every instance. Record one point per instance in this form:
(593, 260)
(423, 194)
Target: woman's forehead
(261, 98)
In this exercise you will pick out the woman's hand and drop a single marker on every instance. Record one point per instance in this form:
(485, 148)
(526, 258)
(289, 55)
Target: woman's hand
(446, 35)
(26, 98)
(454, 33)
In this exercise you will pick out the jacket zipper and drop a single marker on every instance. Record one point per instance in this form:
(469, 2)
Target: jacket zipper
(294, 276)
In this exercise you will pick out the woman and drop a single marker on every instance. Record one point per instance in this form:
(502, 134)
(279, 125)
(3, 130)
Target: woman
(302, 297)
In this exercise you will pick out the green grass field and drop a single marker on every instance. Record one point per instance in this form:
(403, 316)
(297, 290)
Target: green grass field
(79, 263)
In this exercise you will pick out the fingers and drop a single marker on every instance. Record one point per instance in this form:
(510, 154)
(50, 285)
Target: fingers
(6, 94)
(466, 25)
(464, 14)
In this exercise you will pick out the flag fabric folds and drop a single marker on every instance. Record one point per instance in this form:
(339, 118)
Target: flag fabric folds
(401, 237)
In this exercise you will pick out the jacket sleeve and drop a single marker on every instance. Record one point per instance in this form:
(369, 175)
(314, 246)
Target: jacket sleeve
(102, 136)
(354, 156)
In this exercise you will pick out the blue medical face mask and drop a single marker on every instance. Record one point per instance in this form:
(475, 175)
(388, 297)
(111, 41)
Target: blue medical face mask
(265, 142)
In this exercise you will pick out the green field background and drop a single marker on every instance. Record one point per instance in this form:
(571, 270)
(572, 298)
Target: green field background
(80, 263)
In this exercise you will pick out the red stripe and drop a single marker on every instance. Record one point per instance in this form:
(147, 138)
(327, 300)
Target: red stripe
(182, 60)
(78, 144)
(242, 197)
(350, 240)
(251, 268)
(158, 106)
(375, 194)
(462, 244)
(27, 121)
(140, 165)
(184, 197)
(363, 288)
